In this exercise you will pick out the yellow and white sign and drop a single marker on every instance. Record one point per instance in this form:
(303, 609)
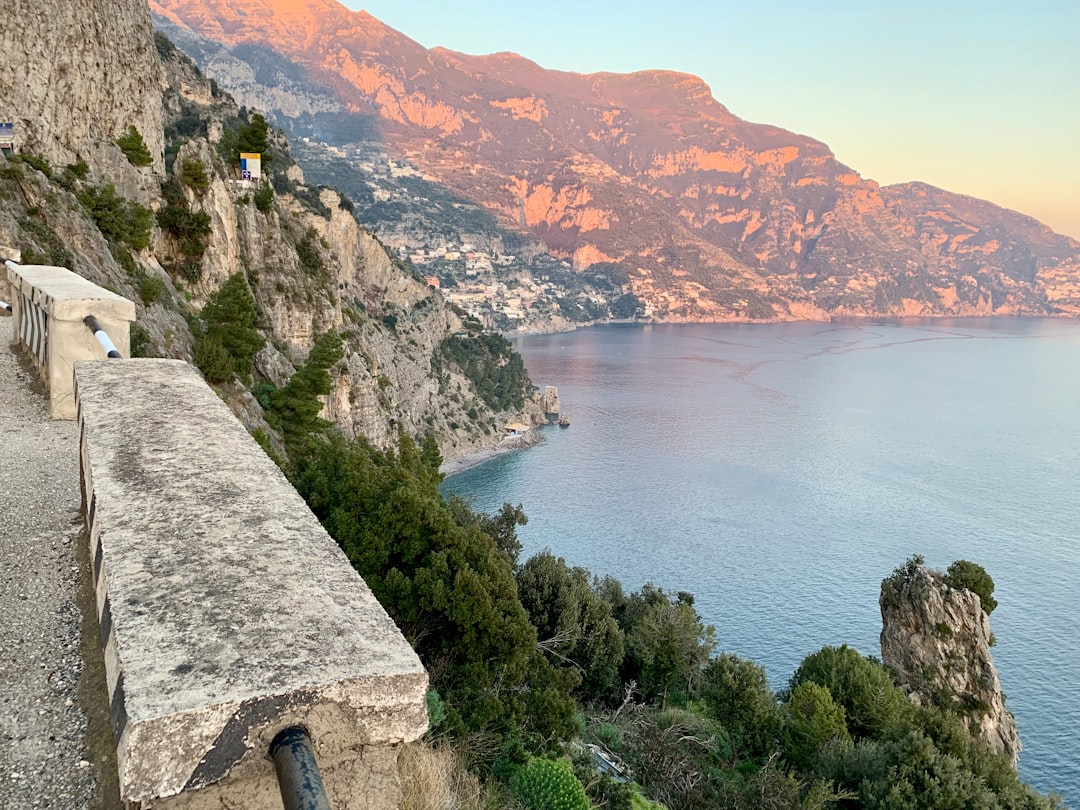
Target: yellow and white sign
(251, 165)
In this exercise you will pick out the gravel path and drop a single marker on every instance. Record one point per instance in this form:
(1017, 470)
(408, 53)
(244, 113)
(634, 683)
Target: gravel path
(42, 727)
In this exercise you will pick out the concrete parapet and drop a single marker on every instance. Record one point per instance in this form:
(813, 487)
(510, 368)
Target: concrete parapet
(48, 305)
(226, 611)
(7, 254)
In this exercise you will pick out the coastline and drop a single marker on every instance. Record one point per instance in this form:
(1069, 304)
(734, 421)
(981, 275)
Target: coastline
(531, 438)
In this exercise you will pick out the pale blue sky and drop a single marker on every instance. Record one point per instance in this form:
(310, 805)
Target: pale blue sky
(980, 98)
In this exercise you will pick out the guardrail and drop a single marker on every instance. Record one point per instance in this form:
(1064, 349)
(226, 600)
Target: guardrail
(49, 305)
(238, 640)
(102, 338)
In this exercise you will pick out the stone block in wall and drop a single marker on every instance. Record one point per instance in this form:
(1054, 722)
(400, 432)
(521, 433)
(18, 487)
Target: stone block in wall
(48, 305)
(227, 613)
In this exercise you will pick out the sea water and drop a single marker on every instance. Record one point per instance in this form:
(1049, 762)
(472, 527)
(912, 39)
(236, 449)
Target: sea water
(780, 472)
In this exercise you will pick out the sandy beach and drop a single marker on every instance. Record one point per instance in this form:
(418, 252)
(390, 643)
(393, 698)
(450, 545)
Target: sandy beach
(531, 438)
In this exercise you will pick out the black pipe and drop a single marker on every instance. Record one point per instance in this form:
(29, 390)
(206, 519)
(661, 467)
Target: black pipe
(110, 349)
(298, 774)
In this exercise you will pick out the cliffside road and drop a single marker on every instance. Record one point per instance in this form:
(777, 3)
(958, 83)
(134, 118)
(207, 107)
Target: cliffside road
(42, 727)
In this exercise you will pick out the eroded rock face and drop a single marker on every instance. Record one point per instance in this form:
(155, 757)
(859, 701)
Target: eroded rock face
(937, 641)
(77, 75)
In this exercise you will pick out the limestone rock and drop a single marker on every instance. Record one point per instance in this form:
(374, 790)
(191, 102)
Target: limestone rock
(937, 641)
(76, 75)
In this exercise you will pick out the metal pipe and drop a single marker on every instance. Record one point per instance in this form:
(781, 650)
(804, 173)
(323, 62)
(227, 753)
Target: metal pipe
(11, 264)
(4, 305)
(110, 349)
(298, 774)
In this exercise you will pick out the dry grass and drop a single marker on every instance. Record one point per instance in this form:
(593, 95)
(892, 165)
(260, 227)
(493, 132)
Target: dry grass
(435, 779)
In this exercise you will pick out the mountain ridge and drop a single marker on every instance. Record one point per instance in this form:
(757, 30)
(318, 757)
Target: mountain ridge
(700, 214)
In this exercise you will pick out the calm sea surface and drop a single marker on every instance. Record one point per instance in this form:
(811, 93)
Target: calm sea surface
(779, 472)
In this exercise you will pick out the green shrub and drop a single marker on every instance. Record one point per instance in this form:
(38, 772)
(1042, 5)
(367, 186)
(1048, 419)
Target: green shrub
(547, 785)
(488, 360)
(134, 148)
(873, 705)
(78, 170)
(119, 220)
(736, 693)
(225, 340)
(140, 340)
(308, 254)
(213, 359)
(11, 169)
(264, 198)
(39, 163)
(972, 577)
(811, 719)
(151, 288)
(193, 175)
(295, 408)
(190, 229)
(436, 709)
(55, 253)
(125, 259)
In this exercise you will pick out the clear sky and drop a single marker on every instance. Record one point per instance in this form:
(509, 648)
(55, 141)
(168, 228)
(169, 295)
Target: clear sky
(980, 98)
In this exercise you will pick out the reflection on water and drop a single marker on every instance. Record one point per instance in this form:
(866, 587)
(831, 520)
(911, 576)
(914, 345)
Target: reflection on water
(780, 472)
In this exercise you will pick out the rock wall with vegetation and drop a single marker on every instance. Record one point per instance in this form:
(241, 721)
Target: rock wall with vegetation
(78, 76)
(172, 241)
(936, 638)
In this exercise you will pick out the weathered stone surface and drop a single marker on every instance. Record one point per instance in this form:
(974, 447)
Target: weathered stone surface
(77, 75)
(228, 612)
(55, 301)
(67, 296)
(937, 641)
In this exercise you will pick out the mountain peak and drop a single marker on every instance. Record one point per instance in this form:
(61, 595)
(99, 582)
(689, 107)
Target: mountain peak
(702, 215)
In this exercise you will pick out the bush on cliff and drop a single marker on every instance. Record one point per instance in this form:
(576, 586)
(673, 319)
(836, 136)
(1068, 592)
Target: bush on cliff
(225, 338)
(119, 220)
(190, 229)
(294, 409)
(873, 704)
(973, 577)
(491, 364)
(448, 586)
(134, 148)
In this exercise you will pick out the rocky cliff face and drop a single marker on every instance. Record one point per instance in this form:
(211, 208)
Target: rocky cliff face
(937, 640)
(310, 267)
(703, 215)
(77, 75)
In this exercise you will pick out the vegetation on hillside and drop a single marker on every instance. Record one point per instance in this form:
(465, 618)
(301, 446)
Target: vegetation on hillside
(134, 148)
(490, 363)
(225, 338)
(531, 661)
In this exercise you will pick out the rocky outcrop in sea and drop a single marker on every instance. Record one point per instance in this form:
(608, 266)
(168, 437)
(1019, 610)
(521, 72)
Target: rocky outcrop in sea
(937, 641)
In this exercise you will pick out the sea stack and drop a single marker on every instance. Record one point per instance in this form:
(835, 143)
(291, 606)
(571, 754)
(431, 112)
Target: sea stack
(550, 404)
(937, 640)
